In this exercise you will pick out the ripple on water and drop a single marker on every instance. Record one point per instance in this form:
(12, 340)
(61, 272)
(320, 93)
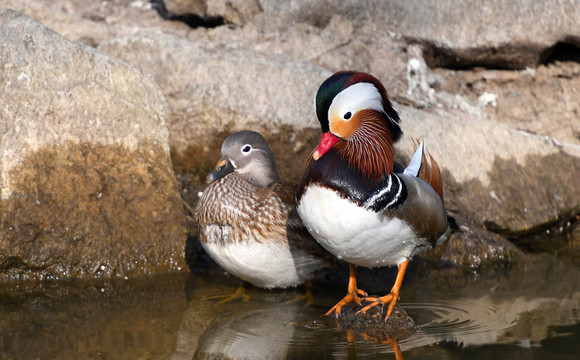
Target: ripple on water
(276, 332)
(464, 321)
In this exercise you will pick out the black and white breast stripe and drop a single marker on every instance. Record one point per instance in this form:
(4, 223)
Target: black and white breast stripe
(389, 196)
(333, 171)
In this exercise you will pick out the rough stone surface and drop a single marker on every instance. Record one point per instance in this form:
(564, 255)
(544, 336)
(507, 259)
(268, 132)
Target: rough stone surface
(86, 179)
(234, 12)
(501, 34)
(184, 7)
(474, 247)
(496, 33)
(541, 101)
(93, 22)
(372, 323)
(492, 88)
(507, 180)
(215, 95)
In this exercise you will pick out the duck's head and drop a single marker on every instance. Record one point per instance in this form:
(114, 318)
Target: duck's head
(248, 154)
(358, 119)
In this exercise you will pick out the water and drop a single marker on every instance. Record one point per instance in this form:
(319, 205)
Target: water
(529, 311)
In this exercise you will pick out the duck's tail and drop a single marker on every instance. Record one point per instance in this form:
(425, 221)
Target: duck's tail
(426, 169)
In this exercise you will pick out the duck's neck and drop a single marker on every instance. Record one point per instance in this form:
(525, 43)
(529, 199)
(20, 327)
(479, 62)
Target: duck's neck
(370, 148)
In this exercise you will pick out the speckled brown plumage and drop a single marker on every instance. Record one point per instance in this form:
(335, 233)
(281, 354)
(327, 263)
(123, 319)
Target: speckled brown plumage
(252, 213)
(246, 219)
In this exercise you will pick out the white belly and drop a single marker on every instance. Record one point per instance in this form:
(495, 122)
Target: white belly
(266, 265)
(354, 234)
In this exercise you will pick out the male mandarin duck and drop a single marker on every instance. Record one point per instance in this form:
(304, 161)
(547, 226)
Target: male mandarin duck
(247, 222)
(354, 199)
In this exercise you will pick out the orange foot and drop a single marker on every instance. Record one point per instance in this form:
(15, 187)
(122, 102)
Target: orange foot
(352, 297)
(389, 298)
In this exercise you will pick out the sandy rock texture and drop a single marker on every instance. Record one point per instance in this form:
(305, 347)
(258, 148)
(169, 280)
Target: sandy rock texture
(86, 179)
(491, 87)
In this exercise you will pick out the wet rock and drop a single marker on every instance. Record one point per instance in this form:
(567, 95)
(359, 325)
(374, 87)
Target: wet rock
(86, 179)
(372, 325)
(475, 247)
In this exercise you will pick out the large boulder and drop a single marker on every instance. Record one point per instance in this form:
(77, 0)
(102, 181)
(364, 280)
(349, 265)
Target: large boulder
(506, 137)
(509, 181)
(212, 92)
(504, 179)
(93, 22)
(209, 89)
(87, 187)
(496, 33)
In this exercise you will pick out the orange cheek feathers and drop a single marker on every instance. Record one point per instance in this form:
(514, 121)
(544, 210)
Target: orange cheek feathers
(344, 128)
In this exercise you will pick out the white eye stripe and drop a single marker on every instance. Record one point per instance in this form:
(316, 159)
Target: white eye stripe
(356, 97)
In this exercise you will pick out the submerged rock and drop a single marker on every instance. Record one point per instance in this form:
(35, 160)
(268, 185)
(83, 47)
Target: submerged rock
(372, 325)
(85, 174)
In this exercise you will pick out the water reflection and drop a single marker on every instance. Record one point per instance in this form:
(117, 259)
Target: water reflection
(169, 317)
(265, 328)
(264, 333)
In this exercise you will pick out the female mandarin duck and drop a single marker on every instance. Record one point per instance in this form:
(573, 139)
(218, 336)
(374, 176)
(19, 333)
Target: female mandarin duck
(354, 199)
(247, 222)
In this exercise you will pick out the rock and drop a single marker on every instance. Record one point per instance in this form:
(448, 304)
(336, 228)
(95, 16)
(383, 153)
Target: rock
(496, 34)
(474, 247)
(86, 180)
(185, 7)
(95, 22)
(508, 181)
(373, 325)
(529, 100)
(211, 89)
(234, 12)
(507, 177)
(212, 92)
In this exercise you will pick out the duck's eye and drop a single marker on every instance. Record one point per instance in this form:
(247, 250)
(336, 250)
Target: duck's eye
(347, 115)
(246, 149)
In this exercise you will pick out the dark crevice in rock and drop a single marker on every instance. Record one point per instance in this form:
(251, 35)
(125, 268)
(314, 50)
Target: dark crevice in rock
(561, 225)
(191, 20)
(552, 238)
(506, 57)
(561, 51)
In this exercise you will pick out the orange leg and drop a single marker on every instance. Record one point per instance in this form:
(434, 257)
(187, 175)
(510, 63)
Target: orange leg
(393, 344)
(352, 296)
(393, 296)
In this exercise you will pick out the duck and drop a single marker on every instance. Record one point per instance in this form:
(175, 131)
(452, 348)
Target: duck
(247, 222)
(356, 201)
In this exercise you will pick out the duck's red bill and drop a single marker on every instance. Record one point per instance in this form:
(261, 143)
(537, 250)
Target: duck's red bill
(326, 142)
